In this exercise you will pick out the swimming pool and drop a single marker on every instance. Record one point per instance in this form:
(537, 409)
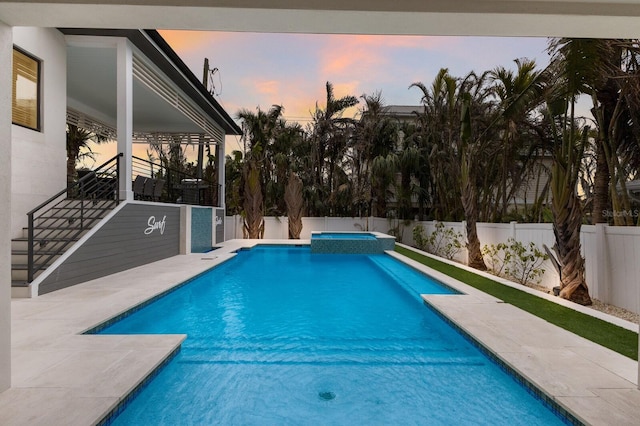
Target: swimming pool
(280, 336)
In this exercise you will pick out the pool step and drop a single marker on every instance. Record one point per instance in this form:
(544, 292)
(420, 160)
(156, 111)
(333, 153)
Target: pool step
(336, 351)
(412, 280)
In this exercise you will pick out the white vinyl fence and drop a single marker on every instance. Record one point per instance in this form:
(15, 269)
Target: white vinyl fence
(612, 253)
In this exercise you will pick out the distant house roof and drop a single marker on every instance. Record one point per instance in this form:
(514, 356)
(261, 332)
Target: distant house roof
(401, 111)
(154, 47)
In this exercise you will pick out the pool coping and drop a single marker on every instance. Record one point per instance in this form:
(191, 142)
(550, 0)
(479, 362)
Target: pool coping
(484, 318)
(63, 376)
(628, 325)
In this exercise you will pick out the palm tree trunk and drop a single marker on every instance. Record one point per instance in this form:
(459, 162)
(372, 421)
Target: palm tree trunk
(293, 199)
(567, 221)
(253, 201)
(600, 186)
(470, 205)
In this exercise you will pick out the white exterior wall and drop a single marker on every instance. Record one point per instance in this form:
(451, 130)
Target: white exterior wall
(6, 52)
(39, 158)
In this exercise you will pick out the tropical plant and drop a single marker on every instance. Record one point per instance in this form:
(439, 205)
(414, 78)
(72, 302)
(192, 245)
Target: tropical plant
(383, 174)
(495, 258)
(79, 142)
(330, 134)
(524, 262)
(374, 136)
(439, 131)
(569, 145)
(443, 241)
(468, 186)
(516, 261)
(419, 237)
(519, 93)
(233, 166)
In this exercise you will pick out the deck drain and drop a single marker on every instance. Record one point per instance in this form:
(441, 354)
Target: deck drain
(326, 395)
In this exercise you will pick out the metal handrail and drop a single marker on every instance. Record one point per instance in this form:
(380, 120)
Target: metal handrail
(177, 183)
(87, 188)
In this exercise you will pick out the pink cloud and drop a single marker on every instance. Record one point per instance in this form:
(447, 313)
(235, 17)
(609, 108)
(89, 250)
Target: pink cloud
(385, 41)
(344, 54)
(267, 87)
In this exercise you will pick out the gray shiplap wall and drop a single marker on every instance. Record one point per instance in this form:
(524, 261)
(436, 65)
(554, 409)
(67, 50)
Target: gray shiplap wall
(126, 241)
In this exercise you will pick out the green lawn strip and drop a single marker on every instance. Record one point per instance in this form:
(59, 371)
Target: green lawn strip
(598, 331)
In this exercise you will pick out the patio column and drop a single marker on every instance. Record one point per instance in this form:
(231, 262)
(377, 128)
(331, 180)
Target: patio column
(221, 174)
(6, 58)
(125, 116)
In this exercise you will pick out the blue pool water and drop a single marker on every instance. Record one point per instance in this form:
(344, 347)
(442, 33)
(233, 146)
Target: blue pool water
(278, 336)
(343, 236)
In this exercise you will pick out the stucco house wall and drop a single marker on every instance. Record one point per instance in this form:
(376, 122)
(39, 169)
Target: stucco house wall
(38, 158)
(5, 209)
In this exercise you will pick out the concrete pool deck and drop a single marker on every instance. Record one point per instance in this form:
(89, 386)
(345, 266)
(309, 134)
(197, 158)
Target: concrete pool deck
(62, 377)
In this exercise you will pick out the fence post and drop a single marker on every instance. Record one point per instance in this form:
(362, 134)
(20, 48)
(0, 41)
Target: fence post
(466, 241)
(601, 265)
(514, 231)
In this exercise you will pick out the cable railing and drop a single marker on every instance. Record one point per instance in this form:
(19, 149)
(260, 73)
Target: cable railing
(157, 182)
(60, 221)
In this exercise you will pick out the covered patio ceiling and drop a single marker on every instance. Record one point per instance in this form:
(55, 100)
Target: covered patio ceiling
(575, 18)
(151, 113)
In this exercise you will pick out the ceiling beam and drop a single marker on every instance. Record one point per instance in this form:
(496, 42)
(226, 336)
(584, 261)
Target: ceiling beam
(580, 18)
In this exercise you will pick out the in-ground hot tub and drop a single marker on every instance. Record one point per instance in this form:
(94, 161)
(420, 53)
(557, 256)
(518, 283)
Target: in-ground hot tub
(351, 242)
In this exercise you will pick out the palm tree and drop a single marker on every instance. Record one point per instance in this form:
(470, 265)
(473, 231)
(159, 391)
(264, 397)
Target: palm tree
(415, 166)
(259, 130)
(253, 201)
(330, 134)
(439, 127)
(519, 94)
(233, 166)
(469, 151)
(408, 165)
(615, 92)
(608, 72)
(78, 147)
(383, 174)
(569, 143)
(374, 135)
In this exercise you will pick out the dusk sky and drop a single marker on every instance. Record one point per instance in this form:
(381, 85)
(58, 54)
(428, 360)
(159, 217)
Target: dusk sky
(261, 70)
(291, 69)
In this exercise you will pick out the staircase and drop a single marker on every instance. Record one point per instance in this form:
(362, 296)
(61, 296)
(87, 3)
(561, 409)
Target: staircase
(61, 221)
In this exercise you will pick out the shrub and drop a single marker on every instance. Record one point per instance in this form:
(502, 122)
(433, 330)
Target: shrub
(515, 260)
(419, 238)
(494, 258)
(443, 242)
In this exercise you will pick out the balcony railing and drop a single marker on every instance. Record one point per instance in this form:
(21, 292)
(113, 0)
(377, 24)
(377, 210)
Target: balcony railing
(157, 182)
